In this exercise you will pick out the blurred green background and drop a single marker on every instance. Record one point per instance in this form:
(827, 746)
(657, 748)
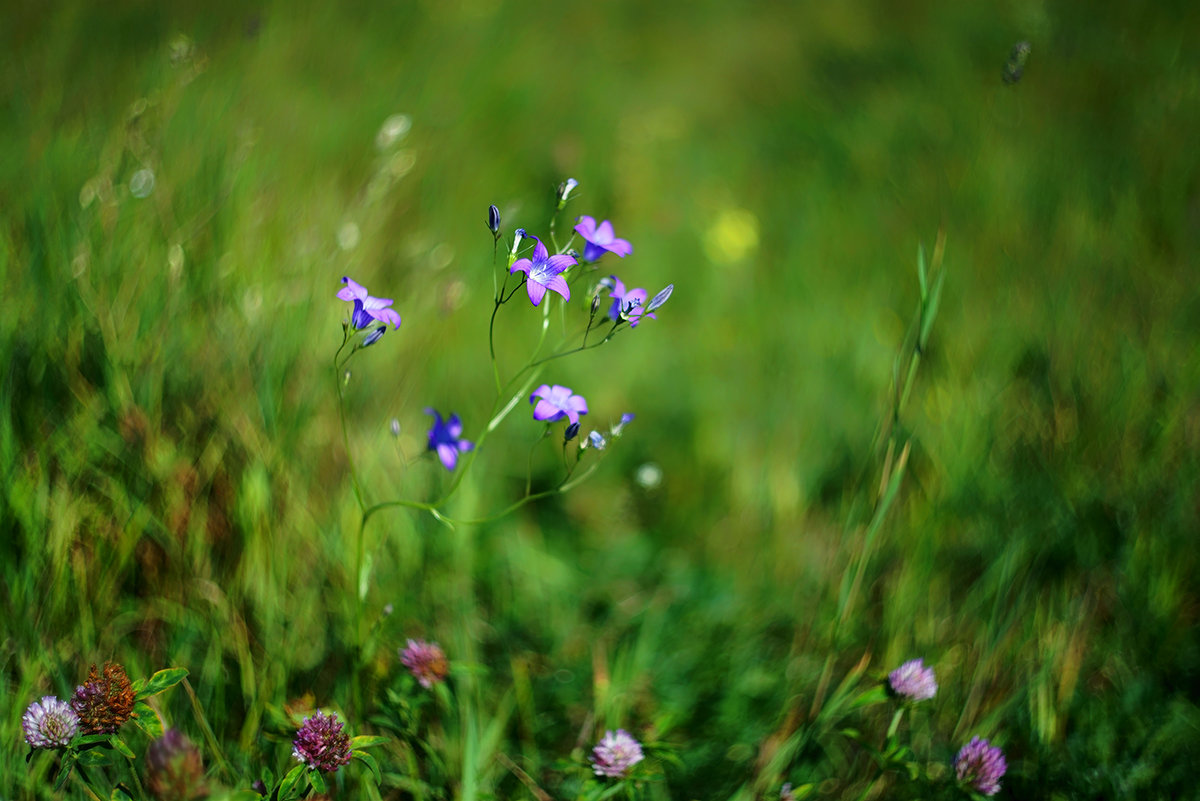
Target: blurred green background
(174, 487)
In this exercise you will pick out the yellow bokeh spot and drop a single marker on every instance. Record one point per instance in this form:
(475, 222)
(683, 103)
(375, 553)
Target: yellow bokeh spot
(733, 237)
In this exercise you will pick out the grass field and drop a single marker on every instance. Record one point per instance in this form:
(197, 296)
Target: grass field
(182, 186)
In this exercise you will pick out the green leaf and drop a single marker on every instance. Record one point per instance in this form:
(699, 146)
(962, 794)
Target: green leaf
(921, 272)
(287, 785)
(318, 781)
(367, 741)
(929, 310)
(90, 739)
(162, 680)
(147, 720)
(94, 758)
(119, 793)
(370, 762)
(123, 749)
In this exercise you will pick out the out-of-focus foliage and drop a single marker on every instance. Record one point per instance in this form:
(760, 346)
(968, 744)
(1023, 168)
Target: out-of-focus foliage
(182, 185)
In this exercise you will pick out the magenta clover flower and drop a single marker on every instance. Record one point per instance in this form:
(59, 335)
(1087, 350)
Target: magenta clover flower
(600, 239)
(426, 661)
(49, 723)
(615, 754)
(980, 765)
(366, 308)
(445, 438)
(321, 744)
(913, 682)
(556, 402)
(544, 272)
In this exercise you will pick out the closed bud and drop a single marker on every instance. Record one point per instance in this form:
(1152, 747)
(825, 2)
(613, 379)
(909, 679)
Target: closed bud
(571, 432)
(493, 221)
(661, 298)
(564, 191)
(373, 337)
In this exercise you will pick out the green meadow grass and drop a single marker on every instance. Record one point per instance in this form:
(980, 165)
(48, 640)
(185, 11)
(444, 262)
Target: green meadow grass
(174, 490)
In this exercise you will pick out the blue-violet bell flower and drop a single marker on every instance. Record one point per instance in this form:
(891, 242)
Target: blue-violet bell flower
(445, 438)
(366, 308)
(556, 402)
(630, 304)
(600, 239)
(544, 272)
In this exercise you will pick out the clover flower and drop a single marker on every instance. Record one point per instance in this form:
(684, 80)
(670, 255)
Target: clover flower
(615, 754)
(49, 723)
(321, 744)
(544, 272)
(913, 682)
(445, 438)
(104, 702)
(980, 765)
(600, 239)
(426, 661)
(556, 402)
(174, 769)
(367, 309)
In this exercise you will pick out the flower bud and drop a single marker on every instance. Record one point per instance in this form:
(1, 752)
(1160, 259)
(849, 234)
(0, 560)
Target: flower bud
(564, 191)
(493, 221)
(661, 298)
(518, 235)
(571, 432)
(373, 337)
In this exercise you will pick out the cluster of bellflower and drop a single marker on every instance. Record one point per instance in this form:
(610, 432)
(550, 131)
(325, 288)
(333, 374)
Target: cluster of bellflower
(612, 307)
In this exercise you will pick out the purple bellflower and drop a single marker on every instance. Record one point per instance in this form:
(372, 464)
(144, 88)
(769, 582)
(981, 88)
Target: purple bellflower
(630, 304)
(913, 682)
(446, 439)
(366, 308)
(544, 272)
(49, 723)
(614, 755)
(600, 239)
(979, 765)
(556, 402)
